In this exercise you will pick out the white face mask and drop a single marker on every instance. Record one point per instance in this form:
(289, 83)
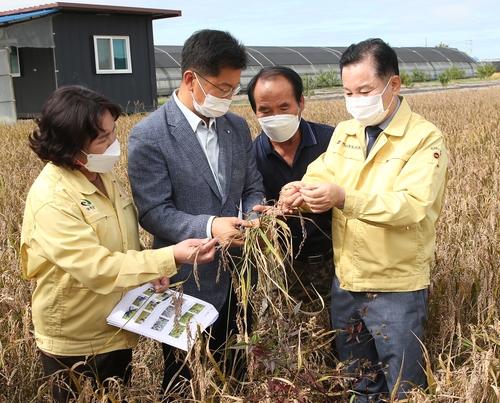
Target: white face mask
(280, 128)
(368, 110)
(105, 162)
(212, 106)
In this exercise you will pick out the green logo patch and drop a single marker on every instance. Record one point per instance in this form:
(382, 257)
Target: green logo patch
(87, 204)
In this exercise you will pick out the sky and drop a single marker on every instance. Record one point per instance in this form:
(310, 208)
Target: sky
(469, 25)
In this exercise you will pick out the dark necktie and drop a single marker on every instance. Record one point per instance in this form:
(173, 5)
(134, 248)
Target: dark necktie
(372, 132)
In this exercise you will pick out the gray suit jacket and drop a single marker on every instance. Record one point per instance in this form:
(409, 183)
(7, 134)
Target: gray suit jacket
(176, 193)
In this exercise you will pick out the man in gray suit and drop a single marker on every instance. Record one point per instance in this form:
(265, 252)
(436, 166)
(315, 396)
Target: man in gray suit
(191, 168)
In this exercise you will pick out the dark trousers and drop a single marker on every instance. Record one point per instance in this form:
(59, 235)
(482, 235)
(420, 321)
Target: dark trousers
(97, 367)
(224, 327)
(378, 335)
(312, 276)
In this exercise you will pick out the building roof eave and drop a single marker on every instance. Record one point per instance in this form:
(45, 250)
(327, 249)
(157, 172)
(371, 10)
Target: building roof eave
(96, 8)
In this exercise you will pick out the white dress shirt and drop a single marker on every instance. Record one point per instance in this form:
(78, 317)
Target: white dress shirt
(208, 139)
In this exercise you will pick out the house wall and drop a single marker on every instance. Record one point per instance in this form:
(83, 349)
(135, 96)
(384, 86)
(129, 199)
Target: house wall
(75, 60)
(36, 82)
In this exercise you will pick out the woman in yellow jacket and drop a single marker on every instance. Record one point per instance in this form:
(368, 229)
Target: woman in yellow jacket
(80, 240)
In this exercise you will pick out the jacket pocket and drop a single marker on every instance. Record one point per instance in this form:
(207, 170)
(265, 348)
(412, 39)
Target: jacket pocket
(99, 223)
(385, 253)
(107, 229)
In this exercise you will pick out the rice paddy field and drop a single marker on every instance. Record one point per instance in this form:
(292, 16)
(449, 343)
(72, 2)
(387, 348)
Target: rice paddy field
(289, 357)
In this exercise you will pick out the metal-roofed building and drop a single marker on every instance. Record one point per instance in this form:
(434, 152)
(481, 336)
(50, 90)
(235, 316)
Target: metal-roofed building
(308, 60)
(106, 48)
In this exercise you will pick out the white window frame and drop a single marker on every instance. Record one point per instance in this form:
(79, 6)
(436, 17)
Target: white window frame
(98, 70)
(18, 64)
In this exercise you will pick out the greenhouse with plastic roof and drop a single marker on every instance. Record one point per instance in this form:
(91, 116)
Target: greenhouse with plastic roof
(311, 61)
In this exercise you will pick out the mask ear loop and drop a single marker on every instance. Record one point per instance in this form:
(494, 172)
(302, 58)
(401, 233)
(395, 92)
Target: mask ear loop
(387, 85)
(390, 103)
(199, 83)
(392, 98)
(78, 162)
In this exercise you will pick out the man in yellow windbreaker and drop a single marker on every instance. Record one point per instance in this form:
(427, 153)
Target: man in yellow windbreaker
(384, 175)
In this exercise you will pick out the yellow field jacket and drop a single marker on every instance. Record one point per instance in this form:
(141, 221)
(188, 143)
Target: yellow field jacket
(82, 248)
(384, 237)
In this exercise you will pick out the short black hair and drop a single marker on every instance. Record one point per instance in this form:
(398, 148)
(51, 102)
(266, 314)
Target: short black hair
(70, 117)
(268, 72)
(386, 59)
(208, 51)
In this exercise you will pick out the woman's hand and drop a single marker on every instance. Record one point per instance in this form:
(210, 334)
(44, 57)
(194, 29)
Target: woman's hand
(188, 251)
(161, 285)
(195, 250)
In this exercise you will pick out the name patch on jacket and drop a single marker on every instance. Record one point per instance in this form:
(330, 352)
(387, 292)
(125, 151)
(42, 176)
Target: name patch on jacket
(353, 146)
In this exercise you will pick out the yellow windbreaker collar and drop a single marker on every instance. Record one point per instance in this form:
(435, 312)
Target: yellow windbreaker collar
(76, 180)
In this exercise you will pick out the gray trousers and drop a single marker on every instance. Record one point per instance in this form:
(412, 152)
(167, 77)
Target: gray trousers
(378, 335)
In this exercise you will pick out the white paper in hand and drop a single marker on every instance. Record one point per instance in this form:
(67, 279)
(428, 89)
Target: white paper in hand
(155, 315)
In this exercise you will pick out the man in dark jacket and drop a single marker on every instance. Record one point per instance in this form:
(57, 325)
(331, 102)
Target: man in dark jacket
(283, 150)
